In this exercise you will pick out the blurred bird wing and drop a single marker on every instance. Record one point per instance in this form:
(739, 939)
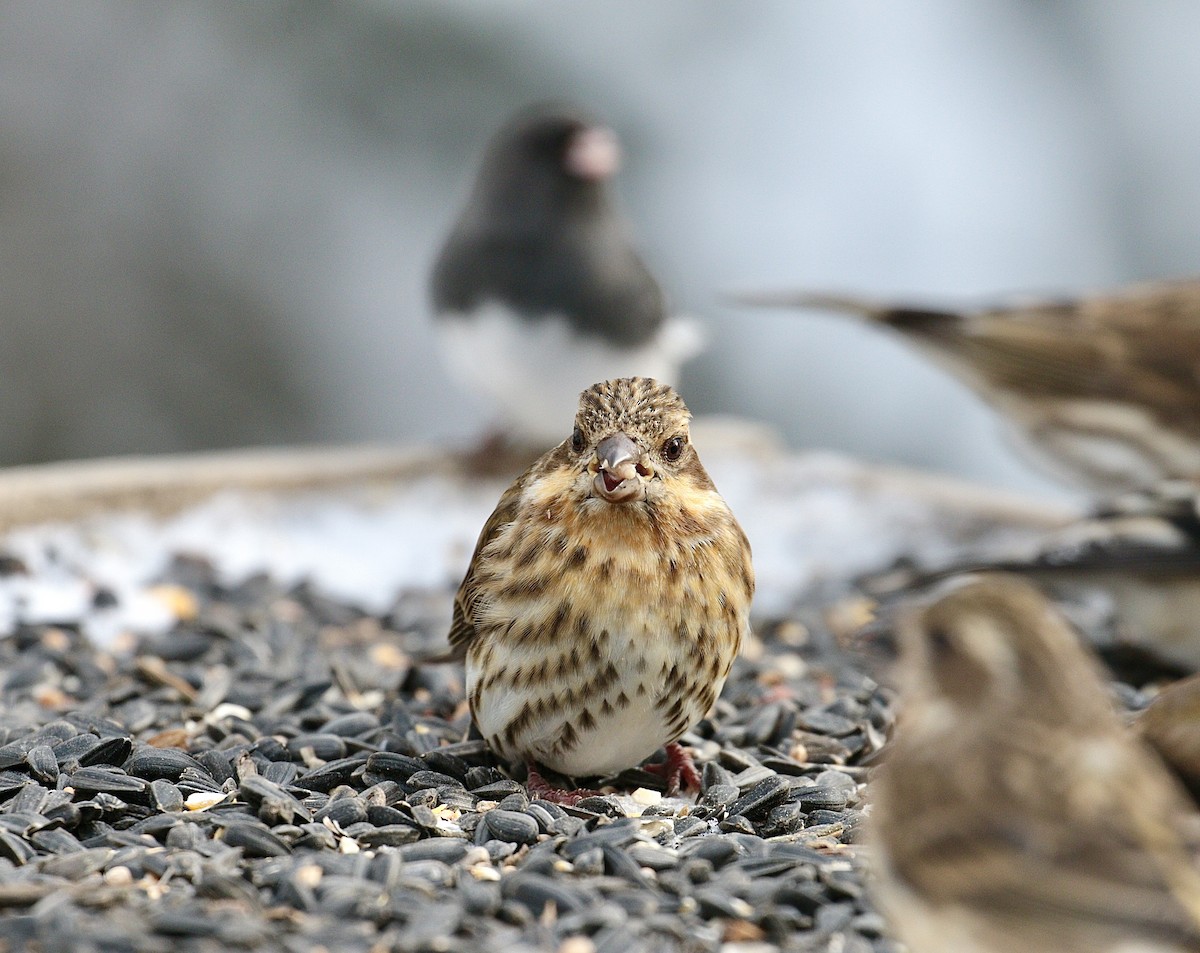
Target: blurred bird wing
(1133, 544)
(1003, 344)
(1034, 347)
(1141, 345)
(1146, 535)
(1039, 356)
(1173, 305)
(462, 625)
(1084, 351)
(1095, 880)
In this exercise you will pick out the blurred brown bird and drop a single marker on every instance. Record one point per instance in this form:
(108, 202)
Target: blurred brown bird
(1015, 813)
(607, 596)
(1171, 726)
(1105, 389)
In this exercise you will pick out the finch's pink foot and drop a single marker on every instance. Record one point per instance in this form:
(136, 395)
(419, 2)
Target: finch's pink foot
(678, 767)
(539, 787)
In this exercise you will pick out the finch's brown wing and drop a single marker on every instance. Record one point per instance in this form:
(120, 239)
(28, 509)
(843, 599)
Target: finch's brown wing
(462, 625)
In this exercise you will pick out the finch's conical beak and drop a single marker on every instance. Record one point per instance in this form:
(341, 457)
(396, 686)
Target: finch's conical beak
(617, 478)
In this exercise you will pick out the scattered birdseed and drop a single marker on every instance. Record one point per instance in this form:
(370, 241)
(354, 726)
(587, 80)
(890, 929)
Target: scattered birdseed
(270, 769)
(256, 779)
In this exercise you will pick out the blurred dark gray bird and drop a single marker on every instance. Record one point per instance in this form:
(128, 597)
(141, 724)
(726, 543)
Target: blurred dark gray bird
(1106, 389)
(538, 291)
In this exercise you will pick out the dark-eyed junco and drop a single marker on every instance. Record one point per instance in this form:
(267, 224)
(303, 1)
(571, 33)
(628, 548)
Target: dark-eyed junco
(1014, 811)
(1104, 388)
(607, 596)
(539, 290)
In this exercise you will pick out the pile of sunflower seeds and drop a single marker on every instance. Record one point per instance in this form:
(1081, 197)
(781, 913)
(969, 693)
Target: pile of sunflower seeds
(277, 773)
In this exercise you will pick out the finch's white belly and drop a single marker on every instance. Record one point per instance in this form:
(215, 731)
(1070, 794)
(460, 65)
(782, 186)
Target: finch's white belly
(611, 728)
(534, 371)
(622, 740)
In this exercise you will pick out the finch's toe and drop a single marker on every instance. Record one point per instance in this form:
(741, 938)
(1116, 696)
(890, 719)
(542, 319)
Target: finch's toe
(678, 770)
(538, 787)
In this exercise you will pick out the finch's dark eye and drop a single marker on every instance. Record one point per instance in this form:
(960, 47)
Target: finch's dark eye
(577, 440)
(672, 449)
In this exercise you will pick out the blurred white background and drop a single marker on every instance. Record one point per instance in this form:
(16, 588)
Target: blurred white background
(216, 220)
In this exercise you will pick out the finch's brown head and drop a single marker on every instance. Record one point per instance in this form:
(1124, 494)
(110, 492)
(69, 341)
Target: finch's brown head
(995, 647)
(630, 435)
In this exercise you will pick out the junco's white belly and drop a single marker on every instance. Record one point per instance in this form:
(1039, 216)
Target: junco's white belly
(534, 371)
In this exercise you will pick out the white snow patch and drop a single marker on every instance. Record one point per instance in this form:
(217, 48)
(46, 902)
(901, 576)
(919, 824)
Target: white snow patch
(811, 519)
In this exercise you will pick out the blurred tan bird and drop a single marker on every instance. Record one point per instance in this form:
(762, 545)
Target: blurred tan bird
(1105, 389)
(607, 596)
(1015, 813)
(1171, 726)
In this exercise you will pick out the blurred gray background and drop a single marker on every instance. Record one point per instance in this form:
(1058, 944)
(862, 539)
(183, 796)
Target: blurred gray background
(216, 219)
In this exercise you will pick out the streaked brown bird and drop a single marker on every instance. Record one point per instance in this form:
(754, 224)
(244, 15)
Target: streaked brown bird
(1105, 389)
(607, 596)
(1015, 813)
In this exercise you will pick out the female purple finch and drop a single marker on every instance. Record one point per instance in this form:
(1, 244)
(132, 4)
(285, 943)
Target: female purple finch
(607, 596)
